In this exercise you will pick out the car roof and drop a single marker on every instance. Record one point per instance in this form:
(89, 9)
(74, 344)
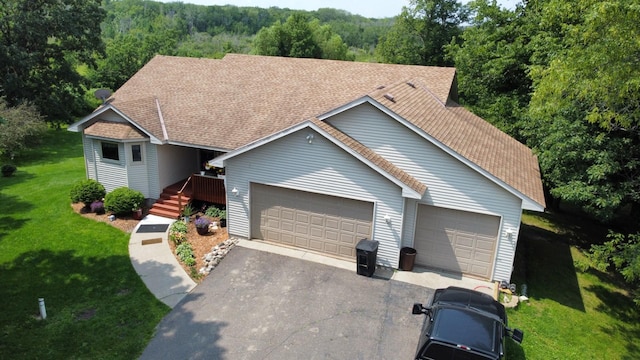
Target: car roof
(467, 298)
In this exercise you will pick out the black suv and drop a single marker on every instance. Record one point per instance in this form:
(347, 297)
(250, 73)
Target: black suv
(463, 324)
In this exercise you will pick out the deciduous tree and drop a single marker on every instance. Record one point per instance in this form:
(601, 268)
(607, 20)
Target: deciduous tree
(41, 44)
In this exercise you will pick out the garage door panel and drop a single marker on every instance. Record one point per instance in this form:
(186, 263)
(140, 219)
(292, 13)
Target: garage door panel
(327, 224)
(456, 241)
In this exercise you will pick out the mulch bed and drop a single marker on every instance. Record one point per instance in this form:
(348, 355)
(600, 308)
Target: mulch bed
(201, 244)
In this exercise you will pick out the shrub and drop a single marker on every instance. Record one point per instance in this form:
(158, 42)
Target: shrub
(214, 212)
(87, 191)
(185, 254)
(123, 200)
(8, 170)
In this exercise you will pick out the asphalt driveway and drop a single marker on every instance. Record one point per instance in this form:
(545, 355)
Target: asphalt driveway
(260, 305)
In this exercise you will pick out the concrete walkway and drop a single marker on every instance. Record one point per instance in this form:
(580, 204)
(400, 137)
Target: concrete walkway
(153, 260)
(155, 263)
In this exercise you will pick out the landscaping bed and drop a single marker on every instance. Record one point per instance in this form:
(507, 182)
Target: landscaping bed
(201, 244)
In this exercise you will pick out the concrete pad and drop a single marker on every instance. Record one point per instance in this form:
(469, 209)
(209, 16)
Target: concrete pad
(429, 278)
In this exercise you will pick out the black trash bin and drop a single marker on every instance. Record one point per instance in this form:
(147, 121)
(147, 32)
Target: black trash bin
(366, 253)
(407, 258)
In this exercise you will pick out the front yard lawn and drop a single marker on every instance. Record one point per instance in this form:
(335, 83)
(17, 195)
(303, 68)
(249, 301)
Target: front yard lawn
(574, 312)
(97, 306)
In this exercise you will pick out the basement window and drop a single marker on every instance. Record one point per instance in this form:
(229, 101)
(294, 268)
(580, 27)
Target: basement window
(110, 151)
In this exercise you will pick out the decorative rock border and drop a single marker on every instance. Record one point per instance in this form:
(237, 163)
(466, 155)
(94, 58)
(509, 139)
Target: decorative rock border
(216, 255)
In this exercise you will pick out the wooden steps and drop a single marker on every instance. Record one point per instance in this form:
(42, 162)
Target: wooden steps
(168, 205)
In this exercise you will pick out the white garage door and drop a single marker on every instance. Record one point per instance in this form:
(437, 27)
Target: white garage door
(322, 223)
(456, 241)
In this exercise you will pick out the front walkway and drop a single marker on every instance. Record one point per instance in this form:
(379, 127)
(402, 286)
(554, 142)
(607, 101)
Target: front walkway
(159, 269)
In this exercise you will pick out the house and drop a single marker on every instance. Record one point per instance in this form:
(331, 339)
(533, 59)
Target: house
(319, 154)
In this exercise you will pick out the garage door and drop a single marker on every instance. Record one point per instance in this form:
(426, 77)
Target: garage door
(456, 241)
(322, 223)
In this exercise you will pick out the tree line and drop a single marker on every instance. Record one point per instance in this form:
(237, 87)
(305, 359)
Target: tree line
(561, 76)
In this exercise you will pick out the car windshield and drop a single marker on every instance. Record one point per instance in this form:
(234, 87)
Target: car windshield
(465, 327)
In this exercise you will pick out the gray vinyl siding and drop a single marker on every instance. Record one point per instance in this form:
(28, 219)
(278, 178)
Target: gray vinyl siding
(320, 167)
(175, 163)
(89, 158)
(152, 167)
(450, 183)
(137, 172)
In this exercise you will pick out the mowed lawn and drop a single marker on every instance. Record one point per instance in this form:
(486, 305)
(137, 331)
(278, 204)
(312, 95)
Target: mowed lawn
(97, 306)
(574, 312)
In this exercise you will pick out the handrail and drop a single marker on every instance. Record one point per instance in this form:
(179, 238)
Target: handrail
(180, 193)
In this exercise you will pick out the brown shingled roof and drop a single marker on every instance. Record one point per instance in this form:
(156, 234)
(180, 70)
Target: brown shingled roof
(247, 98)
(254, 96)
(114, 130)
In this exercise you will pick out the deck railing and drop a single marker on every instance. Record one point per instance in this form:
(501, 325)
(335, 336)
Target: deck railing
(208, 188)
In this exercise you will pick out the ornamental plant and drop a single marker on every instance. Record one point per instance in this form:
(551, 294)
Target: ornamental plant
(87, 191)
(122, 200)
(202, 222)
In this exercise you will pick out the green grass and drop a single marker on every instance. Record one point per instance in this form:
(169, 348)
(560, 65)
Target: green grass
(97, 306)
(574, 312)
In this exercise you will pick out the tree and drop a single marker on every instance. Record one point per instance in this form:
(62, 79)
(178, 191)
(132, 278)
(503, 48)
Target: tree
(586, 104)
(20, 127)
(420, 33)
(41, 44)
(128, 52)
(301, 38)
(623, 253)
(492, 62)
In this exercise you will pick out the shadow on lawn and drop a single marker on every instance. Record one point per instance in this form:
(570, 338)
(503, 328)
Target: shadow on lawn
(9, 205)
(544, 262)
(97, 307)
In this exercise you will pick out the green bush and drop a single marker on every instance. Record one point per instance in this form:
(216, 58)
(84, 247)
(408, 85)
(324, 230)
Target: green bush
(87, 191)
(8, 170)
(123, 201)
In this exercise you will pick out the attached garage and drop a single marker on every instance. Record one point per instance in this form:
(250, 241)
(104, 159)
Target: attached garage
(327, 224)
(456, 241)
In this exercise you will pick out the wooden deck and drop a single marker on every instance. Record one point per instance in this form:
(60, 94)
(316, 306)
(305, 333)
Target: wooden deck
(198, 187)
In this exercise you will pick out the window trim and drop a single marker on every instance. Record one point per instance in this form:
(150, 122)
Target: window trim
(132, 161)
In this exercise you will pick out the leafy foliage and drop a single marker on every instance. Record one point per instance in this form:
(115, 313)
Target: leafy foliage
(585, 105)
(87, 191)
(21, 127)
(178, 232)
(623, 253)
(299, 37)
(123, 200)
(8, 170)
(420, 33)
(492, 58)
(41, 42)
(185, 254)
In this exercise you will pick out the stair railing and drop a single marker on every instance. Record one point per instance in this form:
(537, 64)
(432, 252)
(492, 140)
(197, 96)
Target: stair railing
(180, 194)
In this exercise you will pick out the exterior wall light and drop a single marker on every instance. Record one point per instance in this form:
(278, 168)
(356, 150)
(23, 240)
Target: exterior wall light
(310, 138)
(235, 191)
